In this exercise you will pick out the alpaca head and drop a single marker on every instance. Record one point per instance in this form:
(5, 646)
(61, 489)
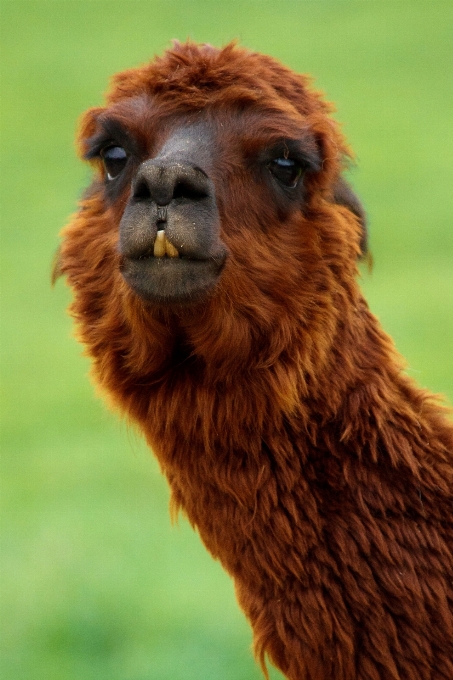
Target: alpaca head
(210, 161)
(217, 197)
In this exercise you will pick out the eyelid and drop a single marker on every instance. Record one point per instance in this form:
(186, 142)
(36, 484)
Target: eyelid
(303, 151)
(96, 145)
(112, 145)
(110, 133)
(293, 155)
(286, 160)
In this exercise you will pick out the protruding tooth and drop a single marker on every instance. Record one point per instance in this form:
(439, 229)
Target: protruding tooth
(170, 249)
(159, 244)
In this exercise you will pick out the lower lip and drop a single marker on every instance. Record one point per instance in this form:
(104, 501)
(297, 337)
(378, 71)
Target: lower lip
(165, 280)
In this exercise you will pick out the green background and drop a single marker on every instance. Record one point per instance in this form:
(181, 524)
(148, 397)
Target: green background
(96, 582)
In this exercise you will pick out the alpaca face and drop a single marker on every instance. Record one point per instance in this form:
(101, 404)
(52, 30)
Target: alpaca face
(187, 182)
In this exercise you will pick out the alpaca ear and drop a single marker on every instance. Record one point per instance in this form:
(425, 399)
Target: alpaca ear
(87, 128)
(344, 195)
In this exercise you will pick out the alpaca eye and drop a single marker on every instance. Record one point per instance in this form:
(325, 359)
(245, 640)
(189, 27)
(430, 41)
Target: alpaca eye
(286, 170)
(115, 159)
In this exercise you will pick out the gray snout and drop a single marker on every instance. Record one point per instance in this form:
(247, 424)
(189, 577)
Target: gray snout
(173, 194)
(176, 197)
(166, 182)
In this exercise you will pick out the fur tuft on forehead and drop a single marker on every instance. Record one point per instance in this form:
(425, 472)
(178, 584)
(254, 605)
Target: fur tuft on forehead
(205, 75)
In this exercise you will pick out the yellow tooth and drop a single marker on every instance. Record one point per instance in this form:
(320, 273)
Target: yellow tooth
(159, 244)
(170, 249)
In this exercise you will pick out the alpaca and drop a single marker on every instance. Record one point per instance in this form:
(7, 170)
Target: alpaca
(213, 262)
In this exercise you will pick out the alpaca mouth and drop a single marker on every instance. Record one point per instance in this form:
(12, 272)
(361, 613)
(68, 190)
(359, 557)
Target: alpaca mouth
(161, 274)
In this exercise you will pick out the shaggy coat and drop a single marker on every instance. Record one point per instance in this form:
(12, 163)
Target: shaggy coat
(213, 262)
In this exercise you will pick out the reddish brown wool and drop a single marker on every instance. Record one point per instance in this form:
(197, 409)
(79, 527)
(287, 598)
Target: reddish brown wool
(312, 467)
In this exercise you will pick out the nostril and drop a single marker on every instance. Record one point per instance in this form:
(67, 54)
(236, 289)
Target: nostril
(141, 191)
(163, 183)
(185, 189)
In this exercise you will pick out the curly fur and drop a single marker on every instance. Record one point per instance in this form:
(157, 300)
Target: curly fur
(312, 467)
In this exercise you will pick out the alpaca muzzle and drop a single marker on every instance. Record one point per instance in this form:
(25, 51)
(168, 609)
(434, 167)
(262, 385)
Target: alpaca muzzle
(169, 233)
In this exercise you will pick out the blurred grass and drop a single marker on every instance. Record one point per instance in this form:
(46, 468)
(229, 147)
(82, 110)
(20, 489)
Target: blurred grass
(96, 584)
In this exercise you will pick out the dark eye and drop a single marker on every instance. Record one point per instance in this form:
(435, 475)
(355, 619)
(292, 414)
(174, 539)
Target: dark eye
(115, 159)
(286, 170)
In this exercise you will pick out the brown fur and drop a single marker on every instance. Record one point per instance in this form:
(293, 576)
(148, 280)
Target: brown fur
(313, 468)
